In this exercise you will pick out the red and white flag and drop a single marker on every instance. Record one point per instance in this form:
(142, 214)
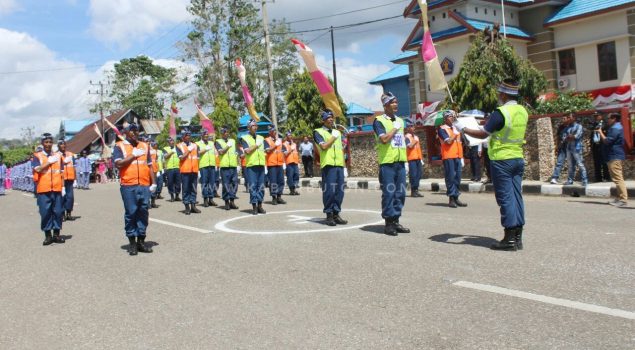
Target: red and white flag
(429, 53)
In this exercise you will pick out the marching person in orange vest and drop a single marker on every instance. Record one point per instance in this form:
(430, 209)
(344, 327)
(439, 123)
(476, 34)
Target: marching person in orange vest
(452, 154)
(274, 155)
(48, 168)
(137, 181)
(69, 178)
(188, 166)
(415, 159)
(292, 159)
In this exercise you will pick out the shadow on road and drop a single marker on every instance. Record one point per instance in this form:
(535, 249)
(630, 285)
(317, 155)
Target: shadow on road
(149, 244)
(373, 228)
(437, 204)
(478, 241)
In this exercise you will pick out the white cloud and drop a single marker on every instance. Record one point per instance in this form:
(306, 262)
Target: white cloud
(124, 22)
(8, 6)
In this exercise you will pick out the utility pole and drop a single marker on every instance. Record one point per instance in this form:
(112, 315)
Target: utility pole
(334, 66)
(100, 92)
(272, 98)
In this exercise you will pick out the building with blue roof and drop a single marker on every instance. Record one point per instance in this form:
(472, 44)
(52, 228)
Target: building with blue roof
(396, 81)
(357, 116)
(263, 125)
(69, 128)
(582, 45)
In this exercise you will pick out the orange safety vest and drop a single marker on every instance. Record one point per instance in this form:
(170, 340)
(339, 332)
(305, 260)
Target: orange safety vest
(137, 172)
(189, 164)
(275, 158)
(69, 168)
(413, 153)
(292, 153)
(453, 150)
(50, 180)
(217, 157)
(153, 156)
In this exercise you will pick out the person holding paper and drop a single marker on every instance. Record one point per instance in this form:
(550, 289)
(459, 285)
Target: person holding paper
(187, 152)
(207, 168)
(253, 145)
(391, 156)
(415, 159)
(274, 154)
(451, 154)
(228, 164)
(48, 168)
(507, 125)
(329, 142)
(137, 181)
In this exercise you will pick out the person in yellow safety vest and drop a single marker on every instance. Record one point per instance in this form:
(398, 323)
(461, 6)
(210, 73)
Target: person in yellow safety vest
(207, 168)
(329, 143)
(69, 179)
(48, 168)
(391, 156)
(452, 156)
(253, 145)
(415, 159)
(138, 182)
(187, 152)
(291, 159)
(507, 125)
(172, 172)
(226, 148)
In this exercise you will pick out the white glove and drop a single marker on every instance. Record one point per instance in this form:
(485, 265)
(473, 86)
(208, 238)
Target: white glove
(137, 152)
(191, 147)
(397, 124)
(259, 143)
(153, 188)
(423, 163)
(278, 142)
(68, 160)
(230, 143)
(53, 159)
(462, 162)
(63, 191)
(336, 133)
(208, 148)
(459, 125)
(284, 166)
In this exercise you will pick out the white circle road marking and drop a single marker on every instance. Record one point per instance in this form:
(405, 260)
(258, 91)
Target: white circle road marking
(222, 226)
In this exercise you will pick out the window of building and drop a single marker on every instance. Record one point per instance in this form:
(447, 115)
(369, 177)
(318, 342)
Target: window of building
(433, 18)
(443, 14)
(485, 11)
(476, 9)
(494, 12)
(607, 61)
(567, 61)
(511, 14)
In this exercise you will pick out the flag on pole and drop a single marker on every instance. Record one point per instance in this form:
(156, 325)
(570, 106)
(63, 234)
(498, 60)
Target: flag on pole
(173, 112)
(206, 123)
(249, 101)
(429, 53)
(114, 128)
(321, 81)
(98, 133)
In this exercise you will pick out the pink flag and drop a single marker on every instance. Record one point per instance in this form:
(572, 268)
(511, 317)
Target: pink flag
(173, 112)
(429, 53)
(114, 128)
(98, 133)
(206, 123)
(249, 101)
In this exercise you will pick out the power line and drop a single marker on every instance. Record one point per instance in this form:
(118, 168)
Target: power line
(345, 13)
(338, 27)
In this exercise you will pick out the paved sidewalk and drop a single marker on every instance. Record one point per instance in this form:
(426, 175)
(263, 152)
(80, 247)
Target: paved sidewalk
(601, 189)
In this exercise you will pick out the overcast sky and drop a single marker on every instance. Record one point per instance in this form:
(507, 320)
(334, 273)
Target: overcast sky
(59, 46)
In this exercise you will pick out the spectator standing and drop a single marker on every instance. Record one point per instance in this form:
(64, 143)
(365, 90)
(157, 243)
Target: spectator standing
(306, 150)
(601, 170)
(613, 143)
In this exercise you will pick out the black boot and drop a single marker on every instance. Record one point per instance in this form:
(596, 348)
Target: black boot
(338, 219)
(260, 209)
(141, 245)
(280, 200)
(48, 239)
(187, 209)
(254, 209)
(159, 196)
(212, 203)
(69, 217)
(400, 228)
(177, 199)
(418, 194)
(171, 197)
(153, 203)
(330, 220)
(452, 203)
(195, 210)
(518, 235)
(274, 201)
(205, 203)
(390, 228)
(132, 247)
(227, 205)
(459, 203)
(57, 238)
(508, 242)
(232, 205)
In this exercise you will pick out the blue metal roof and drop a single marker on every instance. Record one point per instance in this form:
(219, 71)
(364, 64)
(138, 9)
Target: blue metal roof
(577, 8)
(355, 109)
(440, 2)
(405, 55)
(511, 30)
(246, 118)
(398, 71)
(74, 126)
(439, 35)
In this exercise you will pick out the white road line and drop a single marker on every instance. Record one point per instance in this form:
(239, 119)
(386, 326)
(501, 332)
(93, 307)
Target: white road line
(180, 226)
(28, 195)
(611, 233)
(547, 300)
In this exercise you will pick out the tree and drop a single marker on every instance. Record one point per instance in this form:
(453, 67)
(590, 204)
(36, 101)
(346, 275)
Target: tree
(485, 65)
(162, 138)
(17, 154)
(304, 105)
(570, 101)
(224, 115)
(139, 84)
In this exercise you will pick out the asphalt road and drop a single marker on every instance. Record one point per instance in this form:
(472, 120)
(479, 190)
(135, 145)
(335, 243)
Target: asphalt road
(285, 280)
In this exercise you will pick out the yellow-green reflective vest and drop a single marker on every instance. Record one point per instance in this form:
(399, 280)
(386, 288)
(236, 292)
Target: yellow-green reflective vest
(334, 155)
(256, 157)
(173, 162)
(508, 142)
(209, 158)
(160, 160)
(395, 150)
(229, 159)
